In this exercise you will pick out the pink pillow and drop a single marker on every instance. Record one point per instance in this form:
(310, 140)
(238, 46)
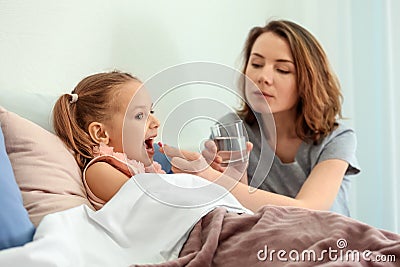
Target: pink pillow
(45, 170)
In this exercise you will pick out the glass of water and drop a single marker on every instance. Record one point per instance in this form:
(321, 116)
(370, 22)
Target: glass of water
(230, 140)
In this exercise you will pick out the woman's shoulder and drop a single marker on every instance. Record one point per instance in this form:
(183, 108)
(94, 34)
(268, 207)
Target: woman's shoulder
(229, 117)
(341, 126)
(343, 136)
(340, 130)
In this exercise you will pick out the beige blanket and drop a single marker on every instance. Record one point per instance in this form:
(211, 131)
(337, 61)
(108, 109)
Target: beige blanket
(286, 236)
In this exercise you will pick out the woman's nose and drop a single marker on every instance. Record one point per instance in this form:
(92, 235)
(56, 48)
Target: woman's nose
(266, 76)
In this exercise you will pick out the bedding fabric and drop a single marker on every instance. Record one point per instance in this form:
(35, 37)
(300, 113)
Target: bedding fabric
(15, 227)
(169, 228)
(147, 221)
(286, 236)
(45, 170)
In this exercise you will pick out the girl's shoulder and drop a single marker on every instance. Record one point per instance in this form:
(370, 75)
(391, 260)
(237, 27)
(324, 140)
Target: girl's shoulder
(102, 178)
(115, 163)
(104, 153)
(121, 162)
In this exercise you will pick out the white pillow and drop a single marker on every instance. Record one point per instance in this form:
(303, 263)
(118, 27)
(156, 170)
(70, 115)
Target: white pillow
(34, 106)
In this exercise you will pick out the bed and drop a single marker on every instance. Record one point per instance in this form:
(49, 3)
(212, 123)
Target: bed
(137, 229)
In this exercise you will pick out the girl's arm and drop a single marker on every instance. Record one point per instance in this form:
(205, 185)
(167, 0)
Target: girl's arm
(318, 191)
(104, 180)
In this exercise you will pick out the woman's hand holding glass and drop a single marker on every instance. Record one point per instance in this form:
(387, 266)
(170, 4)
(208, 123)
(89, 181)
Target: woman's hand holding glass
(208, 164)
(216, 158)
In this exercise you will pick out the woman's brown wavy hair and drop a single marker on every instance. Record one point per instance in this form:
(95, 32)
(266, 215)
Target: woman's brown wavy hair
(320, 99)
(96, 102)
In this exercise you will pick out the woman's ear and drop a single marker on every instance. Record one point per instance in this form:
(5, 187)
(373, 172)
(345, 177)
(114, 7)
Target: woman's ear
(98, 133)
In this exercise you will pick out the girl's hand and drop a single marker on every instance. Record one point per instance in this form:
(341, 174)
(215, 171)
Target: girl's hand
(215, 158)
(194, 163)
(183, 161)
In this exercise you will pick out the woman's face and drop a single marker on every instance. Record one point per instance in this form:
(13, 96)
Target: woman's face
(133, 127)
(271, 68)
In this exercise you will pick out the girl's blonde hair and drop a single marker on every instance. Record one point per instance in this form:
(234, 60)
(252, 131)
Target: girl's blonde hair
(319, 90)
(71, 119)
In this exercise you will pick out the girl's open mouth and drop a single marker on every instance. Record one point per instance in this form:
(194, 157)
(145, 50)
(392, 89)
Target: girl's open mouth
(149, 145)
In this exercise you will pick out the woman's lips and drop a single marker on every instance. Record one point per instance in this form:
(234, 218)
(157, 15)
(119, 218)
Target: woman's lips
(266, 95)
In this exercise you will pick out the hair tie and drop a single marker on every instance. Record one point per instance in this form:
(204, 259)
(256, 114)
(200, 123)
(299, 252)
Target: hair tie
(74, 98)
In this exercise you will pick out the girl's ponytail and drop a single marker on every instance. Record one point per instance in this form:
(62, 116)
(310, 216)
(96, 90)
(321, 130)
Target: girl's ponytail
(67, 128)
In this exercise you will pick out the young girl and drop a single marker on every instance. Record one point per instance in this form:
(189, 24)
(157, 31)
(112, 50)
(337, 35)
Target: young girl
(108, 122)
(315, 154)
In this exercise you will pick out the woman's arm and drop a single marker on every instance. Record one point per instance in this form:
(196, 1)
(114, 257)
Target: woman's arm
(318, 192)
(104, 180)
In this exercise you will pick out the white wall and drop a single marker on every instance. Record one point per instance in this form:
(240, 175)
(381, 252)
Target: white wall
(48, 46)
(375, 85)
(52, 44)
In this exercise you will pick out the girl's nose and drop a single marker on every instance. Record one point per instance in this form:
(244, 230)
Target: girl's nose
(153, 122)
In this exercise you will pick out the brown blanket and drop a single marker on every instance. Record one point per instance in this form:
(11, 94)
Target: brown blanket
(286, 236)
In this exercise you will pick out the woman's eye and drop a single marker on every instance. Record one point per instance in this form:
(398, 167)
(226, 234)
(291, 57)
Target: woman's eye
(139, 116)
(256, 66)
(283, 71)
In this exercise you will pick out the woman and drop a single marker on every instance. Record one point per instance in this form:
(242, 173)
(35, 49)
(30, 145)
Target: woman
(314, 153)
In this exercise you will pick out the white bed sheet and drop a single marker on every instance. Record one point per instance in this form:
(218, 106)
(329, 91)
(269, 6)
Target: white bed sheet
(132, 228)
